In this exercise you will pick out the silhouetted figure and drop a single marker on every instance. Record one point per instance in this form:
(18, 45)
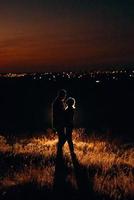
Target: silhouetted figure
(63, 122)
(59, 116)
(69, 121)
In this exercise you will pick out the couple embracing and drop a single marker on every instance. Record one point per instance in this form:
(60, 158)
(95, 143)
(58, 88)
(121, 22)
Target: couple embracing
(63, 118)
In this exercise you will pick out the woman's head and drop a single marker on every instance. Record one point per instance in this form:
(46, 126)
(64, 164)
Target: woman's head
(70, 102)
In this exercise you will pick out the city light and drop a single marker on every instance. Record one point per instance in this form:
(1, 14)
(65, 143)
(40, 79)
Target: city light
(97, 76)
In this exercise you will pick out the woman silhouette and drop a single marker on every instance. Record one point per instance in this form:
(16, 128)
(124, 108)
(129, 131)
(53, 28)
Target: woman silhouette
(69, 121)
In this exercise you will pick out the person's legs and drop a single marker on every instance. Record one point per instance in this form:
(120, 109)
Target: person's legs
(61, 137)
(69, 131)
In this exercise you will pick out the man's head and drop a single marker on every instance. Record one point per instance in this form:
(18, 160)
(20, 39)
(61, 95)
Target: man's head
(62, 94)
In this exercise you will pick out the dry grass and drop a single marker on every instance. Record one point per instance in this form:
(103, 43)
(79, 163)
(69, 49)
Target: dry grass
(113, 164)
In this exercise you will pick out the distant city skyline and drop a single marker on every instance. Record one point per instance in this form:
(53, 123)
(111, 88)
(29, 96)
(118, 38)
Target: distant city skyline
(65, 35)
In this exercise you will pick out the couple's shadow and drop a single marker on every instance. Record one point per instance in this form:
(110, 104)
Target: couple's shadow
(60, 186)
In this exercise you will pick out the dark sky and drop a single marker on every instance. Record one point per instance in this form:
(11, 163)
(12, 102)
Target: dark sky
(39, 35)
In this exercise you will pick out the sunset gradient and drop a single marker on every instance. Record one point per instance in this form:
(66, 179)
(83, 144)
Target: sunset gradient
(42, 35)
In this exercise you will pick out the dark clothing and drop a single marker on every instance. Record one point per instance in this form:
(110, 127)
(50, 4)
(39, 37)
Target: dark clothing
(69, 117)
(59, 120)
(63, 121)
(61, 136)
(69, 124)
(69, 131)
(58, 113)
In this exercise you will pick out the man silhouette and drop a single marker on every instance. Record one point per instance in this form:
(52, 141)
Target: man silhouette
(59, 116)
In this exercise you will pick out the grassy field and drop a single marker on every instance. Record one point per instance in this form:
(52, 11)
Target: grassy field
(101, 168)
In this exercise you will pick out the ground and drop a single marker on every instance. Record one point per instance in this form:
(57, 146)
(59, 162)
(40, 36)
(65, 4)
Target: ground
(100, 168)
